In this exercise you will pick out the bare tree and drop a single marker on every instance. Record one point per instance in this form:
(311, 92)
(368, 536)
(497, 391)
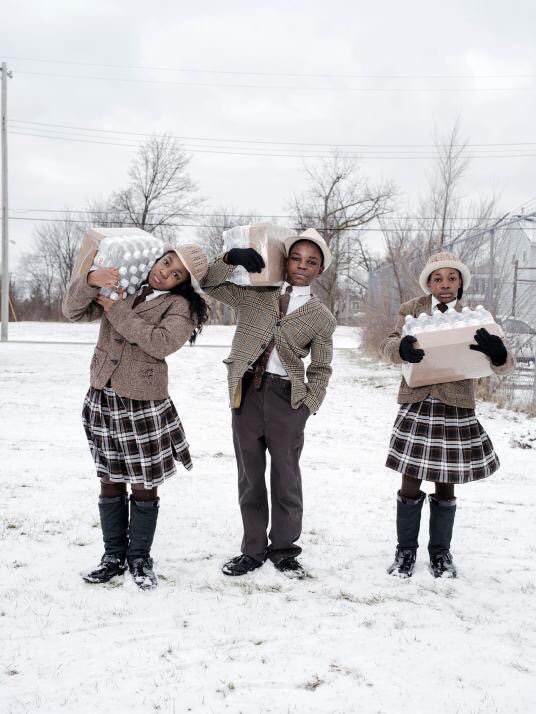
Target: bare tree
(161, 191)
(337, 203)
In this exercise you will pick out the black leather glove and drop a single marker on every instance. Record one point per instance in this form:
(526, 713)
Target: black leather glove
(490, 345)
(408, 352)
(247, 258)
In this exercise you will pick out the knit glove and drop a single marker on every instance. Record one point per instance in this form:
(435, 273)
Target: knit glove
(247, 258)
(408, 352)
(490, 345)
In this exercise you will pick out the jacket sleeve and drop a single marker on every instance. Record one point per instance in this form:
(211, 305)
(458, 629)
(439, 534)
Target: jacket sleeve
(216, 284)
(319, 370)
(509, 366)
(160, 340)
(389, 348)
(79, 301)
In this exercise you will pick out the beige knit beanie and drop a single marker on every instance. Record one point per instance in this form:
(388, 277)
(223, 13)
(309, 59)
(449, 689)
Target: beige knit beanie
(444, 260)
(194, 259)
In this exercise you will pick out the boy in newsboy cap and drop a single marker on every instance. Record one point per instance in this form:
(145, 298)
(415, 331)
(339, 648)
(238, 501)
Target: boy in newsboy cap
(271, 395)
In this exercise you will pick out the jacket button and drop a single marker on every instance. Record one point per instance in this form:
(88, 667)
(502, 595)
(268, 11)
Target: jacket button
(278, 323)
(263, 347)
(114, 361)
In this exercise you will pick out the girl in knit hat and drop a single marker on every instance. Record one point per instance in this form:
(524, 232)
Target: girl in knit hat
(132, 427)
(436, 435)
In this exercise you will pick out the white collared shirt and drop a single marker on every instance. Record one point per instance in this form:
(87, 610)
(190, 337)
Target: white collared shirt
(298, 297)
(155, 294)
(450, 305)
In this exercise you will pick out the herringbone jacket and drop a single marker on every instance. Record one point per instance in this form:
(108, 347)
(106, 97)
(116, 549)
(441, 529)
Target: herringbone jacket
(308, 329)
(133, 343)
(457, 394)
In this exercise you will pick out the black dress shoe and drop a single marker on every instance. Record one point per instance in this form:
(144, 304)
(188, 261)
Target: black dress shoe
(240, 565)
(109, 567)
(291, 568)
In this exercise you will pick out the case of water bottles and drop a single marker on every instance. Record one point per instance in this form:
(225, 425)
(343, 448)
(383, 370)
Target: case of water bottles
(445, 339)
(267, 239)
(131, 250)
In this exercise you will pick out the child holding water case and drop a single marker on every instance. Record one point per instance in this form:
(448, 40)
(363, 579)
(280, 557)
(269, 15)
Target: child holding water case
(132, 427)
(436, 436)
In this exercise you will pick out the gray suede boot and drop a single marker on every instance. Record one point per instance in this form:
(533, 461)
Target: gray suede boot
(408, 521)
(114, 523)
(143, 518)
(442, 515)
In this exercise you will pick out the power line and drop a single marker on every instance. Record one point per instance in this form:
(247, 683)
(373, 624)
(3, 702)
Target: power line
(274, 154)
(191, 70)
(293, 88)
(263, 141)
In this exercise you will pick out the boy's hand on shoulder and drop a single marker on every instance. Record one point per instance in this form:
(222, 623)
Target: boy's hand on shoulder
(408, 352)
(248, 258)
(490, 345)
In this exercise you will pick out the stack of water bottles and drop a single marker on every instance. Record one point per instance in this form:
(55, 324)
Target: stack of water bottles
(445, 338)
(132, 255)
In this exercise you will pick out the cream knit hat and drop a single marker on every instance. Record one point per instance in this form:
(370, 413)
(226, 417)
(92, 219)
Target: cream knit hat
(194, 259)
(314, 237)
(444, 260)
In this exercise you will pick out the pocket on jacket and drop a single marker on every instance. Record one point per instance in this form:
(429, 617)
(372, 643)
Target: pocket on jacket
(147, 373)
(97, 362)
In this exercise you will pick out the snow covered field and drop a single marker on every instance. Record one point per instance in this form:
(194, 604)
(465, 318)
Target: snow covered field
(348, 639)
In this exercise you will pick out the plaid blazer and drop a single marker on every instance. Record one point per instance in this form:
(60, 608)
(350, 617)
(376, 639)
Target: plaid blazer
(457, 394)
(132, 343)
(309, 329)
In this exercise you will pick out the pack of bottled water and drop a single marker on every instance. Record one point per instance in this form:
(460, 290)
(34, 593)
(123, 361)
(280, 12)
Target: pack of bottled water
(132, 255)
(445, 338)
(449, 320)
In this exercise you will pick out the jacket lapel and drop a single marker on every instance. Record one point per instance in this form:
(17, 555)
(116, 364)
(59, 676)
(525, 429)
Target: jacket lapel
(148, 305)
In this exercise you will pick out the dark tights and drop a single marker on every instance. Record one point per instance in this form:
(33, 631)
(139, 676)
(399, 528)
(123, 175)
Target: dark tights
(411, 488)
(109, 490)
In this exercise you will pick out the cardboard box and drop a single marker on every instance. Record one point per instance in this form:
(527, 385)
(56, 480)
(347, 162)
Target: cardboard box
(267, 239)
(447, 357)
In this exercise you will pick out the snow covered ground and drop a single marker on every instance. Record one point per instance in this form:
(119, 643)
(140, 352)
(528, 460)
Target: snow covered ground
(348, 639)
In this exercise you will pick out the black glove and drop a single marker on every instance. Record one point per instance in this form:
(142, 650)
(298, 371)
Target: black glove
(247, 257)
(408, 352)
(490, 345)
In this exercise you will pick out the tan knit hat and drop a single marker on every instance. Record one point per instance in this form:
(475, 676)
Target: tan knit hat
(444, 260)
(314, 237)
(194, 259)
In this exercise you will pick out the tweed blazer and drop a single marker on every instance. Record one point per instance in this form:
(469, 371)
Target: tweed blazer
(132, 343)
(309, 329)
(457, 394)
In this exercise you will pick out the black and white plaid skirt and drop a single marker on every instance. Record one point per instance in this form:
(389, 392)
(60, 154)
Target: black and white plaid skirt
(132, 440)
(434, 441)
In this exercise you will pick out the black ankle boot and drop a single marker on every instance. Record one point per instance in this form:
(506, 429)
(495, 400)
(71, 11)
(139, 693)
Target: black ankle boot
(143, 518)
(408, 521)
(114, 523)
(442, 514)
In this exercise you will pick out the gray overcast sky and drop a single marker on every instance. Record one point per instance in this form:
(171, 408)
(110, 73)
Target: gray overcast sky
(418, 38)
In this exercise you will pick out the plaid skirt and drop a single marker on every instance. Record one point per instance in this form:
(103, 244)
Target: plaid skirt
(437, 442)
(131, 440)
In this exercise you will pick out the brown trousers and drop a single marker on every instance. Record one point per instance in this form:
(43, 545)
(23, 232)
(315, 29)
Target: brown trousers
(266, 420)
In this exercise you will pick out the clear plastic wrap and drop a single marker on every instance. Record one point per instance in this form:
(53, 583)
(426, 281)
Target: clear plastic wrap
(131, 250)
(445, 339)
(267, 239)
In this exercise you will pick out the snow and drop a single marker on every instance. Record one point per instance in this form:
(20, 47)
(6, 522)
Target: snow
(348, 639)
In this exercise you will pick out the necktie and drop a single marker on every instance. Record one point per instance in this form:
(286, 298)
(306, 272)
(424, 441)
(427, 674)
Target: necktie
(260, 366)
(140, 297)
(442, 307)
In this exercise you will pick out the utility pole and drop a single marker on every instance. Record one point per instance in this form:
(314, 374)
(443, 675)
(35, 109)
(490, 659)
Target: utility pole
(514, 290)
(491, 270)
(5, 259)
